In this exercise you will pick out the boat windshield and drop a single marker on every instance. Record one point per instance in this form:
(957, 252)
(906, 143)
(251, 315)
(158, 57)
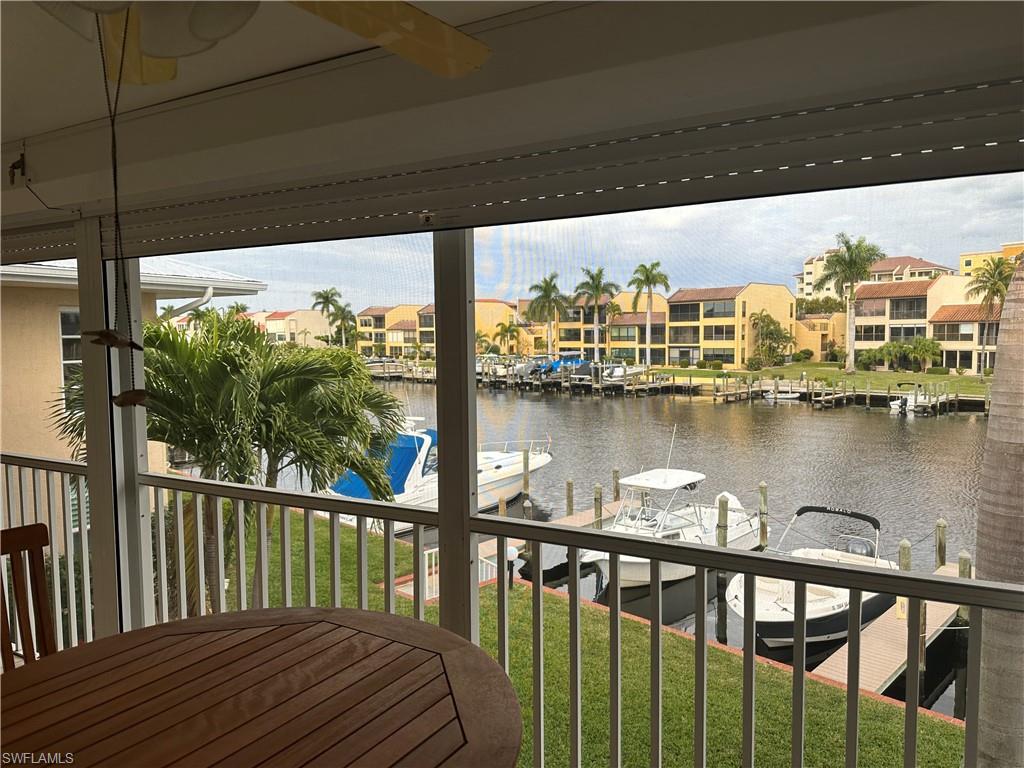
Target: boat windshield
(644, 510)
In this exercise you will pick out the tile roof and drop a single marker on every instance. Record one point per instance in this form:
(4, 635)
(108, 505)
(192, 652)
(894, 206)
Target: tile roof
(706, 294)
(496, 301)
(899, 264)
(601, 302)
(427, 310)
(376, 310)
(965, 313)
(403, 325)
(894, 290)
(638, 318)
(279, 315)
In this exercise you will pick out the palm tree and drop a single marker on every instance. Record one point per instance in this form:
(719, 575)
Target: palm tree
(483, 342)
(236, 308)
(591, 290)
(547, 305)
(846, 266)
(167, 311)
(1000, 533)
(304, 335)
(246, 409)
(925, 351)
(327, 301)
(647, 277)
(990, 281)
(611, 311)
(342, 318)
(507, 334)
(770, 338)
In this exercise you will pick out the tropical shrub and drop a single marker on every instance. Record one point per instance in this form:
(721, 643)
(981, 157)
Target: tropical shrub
(938, 370)
(988, 372)
(702, 364)
(754, 363)
(960, 371)
(716, 365)
(868, 358)
(803, 354)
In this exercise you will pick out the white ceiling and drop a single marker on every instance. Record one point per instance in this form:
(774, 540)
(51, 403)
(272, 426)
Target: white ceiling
(51, 76)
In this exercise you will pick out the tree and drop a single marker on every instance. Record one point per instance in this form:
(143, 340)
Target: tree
(990, 282)
(167, 312)
(418, 348)
(770, 338)
(925, 351)
(591, 290)
(647, 277)
(611, 311)
(236, 308)
(483, 342)
(893, 352)
(507, 334)
(823, 305)
(246, 409)
(342, 319)
(304, 335)
(547, 305)
(328, 302)
(1000, 539)
(846, 266)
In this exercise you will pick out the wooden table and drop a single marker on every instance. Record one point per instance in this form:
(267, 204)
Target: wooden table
(281, 687)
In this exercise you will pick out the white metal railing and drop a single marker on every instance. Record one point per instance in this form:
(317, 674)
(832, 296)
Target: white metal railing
(169, 497)
(535, 447)
(917, 587)
(53, 492)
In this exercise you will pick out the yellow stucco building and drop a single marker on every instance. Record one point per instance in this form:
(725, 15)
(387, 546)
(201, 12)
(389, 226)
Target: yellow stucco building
(968, 261)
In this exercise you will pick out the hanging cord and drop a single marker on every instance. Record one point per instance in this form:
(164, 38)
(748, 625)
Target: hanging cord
(120, 276)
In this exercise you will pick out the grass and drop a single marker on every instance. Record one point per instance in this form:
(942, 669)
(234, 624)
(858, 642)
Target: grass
(879, 380)
(881, 734)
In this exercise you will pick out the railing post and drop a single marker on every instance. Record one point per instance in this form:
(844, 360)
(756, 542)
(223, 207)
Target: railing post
(722, 539)
(456, 426)
(964, 566)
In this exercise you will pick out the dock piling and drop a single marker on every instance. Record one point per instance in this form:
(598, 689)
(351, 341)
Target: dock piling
(615, 484)
(598, 507)
(528, 510)
(940, 542)
(502, 507)
(526, 473)
(568, 498)
(762, 515)
(867, 397)
(964, 565)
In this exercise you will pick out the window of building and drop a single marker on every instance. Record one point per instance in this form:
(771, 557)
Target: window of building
(744, 309)
(952, 358)
(684, 335)
(967, 262)
(724, 355)
(426, 337)
(378, 322)
(988, 334)
(366, 322)
(720, 308)
(426, 321)
(953, 332)
(869, 307)
(569, 334)
(719, 333)
(906, 332)
(378, 338)
(623, 333)
(790, 311)
(908, 309)
(684, 313)
(70, 343)
(870, 333)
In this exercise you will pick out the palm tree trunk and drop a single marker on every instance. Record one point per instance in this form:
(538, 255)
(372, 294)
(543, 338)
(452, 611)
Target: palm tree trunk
(551, 330)
(211, 556)
(597, 337)
(851, 330)
(1000, 541)
(650, 299)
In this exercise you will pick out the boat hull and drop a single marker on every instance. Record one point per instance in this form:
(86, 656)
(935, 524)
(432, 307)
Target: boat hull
(822, 629)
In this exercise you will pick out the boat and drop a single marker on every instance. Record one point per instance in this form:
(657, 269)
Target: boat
(617, 374)
(570, 360)
(676, 519)
(827, 606)
(383, 367)
(781, 397)
(412, 470)
(909, 400)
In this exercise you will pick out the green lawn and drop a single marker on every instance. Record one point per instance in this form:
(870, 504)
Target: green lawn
(879, 380)
(939, 743)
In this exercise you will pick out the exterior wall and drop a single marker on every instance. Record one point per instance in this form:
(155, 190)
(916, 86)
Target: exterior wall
(375, 336)
(805, 281)
(968, 261)
(489, 312)
(777, 300)
(426, 333)
(30, 369)
(292, 328)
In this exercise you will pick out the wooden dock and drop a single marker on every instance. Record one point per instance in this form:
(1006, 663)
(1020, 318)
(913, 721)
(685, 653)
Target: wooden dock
(883, 652)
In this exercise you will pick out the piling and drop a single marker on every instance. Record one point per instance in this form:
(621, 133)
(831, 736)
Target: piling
(776, 389)
(940, 542)
(762, 515)
(923, 636)
(867, 398)
(960, 639)
(598, 507)
(526, 473)
(568, 498)
(502, 507)
(888, 393)
(528, 510)
(965, 573)
(615, 484)
(988, 397)
(956, 398)
(722, 539)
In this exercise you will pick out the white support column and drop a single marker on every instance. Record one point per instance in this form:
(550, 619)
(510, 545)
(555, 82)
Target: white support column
(455, 328)
(135, 536)
(96, 372)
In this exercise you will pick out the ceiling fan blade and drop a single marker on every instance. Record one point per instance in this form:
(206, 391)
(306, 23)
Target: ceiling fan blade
(138, 69)
(408, 32)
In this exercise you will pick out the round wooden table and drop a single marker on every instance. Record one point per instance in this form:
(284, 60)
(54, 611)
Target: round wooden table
(282, 687)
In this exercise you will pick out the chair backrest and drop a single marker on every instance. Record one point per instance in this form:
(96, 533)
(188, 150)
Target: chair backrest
(17, 543)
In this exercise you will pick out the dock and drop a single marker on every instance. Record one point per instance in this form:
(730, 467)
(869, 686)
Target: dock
(883, 644)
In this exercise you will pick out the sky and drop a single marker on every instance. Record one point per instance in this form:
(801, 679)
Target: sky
(729, 243)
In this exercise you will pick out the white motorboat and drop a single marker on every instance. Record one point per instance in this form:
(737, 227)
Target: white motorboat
(412, 470)
(640, 514)
(619, 373)
(910, 400)
(781, 397)
(827, 607)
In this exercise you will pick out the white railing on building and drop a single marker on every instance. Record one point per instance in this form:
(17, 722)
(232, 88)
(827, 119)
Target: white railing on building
(36, 489)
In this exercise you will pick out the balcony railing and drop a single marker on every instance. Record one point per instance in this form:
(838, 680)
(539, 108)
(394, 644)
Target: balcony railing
(26, 501)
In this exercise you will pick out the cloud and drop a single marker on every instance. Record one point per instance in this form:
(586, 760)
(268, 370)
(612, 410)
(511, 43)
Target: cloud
(764, 239)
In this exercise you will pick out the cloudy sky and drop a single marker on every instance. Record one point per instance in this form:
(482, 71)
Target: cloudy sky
(700, 245)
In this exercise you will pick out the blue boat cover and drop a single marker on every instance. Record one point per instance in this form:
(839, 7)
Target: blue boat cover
(401, 458)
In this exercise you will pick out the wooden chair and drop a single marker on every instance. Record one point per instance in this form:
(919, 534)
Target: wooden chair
(13, 542)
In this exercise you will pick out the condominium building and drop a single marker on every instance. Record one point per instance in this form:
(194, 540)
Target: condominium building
(714, 323)
(894, 269)
(968, 261)
(395, 330)
(820, 333)
(373, 323)
(306, 327)
(937, 309)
